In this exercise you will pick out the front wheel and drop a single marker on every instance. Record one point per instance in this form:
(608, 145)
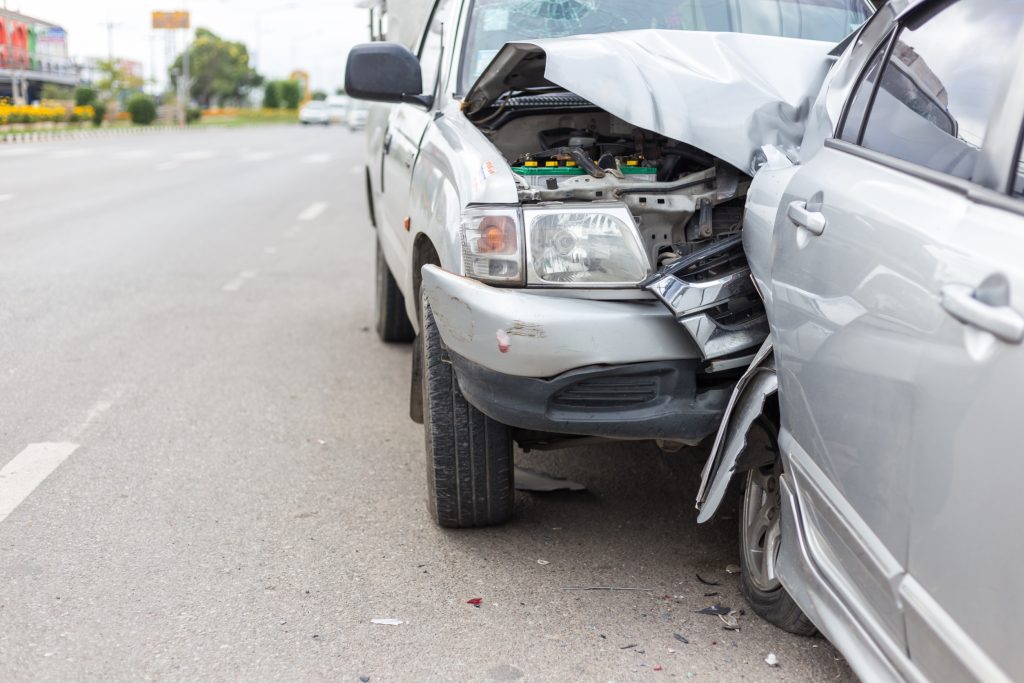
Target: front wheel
(469, 455)
(760, 538)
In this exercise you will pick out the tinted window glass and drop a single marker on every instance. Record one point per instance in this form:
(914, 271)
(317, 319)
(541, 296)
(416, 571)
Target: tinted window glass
(430, 51)
(492, 23)
(939, 86)
(862, 97)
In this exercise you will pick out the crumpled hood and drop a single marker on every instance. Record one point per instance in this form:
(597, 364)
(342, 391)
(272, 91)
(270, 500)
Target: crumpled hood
(725, 93)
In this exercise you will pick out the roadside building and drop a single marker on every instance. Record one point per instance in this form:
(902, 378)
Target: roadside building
(33, 52)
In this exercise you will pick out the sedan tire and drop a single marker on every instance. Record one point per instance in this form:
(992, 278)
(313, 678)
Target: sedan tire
(760, 536)
(469, 455)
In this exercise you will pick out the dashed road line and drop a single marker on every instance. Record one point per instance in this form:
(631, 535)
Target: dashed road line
(167, 165)
(20, 477)
(197, 155)
(242, 278)
(94, 414)
(252, 157)
(313, 211)
(318, 158)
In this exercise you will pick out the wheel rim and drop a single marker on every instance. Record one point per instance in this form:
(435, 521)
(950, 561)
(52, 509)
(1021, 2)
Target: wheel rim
(761, 527)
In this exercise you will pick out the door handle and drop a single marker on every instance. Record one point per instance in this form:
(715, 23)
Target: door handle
(387, 143)
(812, 221)
(986, 308)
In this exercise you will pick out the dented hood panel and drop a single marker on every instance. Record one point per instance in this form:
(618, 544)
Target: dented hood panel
(725, 93)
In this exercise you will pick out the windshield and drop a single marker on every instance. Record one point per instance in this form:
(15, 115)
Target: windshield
(492, 23)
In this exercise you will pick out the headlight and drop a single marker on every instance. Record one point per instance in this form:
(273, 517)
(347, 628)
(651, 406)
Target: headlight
(492, 244)
(584, 246)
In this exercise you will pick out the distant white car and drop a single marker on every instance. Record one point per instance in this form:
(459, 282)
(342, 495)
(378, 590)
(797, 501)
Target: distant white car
(337, 108)
(355, 117)
(315, 112)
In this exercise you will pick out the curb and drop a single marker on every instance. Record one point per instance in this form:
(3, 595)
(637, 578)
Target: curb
(37, 136)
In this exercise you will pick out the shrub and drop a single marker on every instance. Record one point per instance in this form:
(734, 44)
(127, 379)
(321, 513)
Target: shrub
(142, 109)
(99, 112)
(272, 96)
(192, 115)
(291, 94)
(58, 93)
(85, 96)
(83, 113)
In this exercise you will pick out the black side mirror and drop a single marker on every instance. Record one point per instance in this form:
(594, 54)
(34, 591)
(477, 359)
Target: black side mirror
(385, 72)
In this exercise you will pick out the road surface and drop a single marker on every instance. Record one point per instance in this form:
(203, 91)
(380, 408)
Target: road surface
(218, 479)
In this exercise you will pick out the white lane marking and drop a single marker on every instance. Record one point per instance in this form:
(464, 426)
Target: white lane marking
(197, 155)
(269, 251)
(318, 158)
(313, 211)
(21, 476)
(130, 154)
(257, 156)
(237, 283)
(167, 166)
(6, 197)
(292, 231)
(94, 414)
(19, 151)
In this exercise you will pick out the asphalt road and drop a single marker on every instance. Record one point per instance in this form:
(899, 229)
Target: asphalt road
(190, 315)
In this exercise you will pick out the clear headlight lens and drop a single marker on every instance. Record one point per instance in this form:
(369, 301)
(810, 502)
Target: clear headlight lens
(492, 244)
(584, 247)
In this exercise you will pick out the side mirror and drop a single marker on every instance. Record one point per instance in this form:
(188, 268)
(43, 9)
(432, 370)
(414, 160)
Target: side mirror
(385, 72)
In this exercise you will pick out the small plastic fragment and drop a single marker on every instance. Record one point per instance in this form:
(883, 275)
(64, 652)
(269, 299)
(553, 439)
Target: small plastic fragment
(364, 679)
(476, 602)
(707, 582)
(627, 647)
(731, 623)
(538, 482)
(657, 667)
(543, 562)
(681, 638)
(771, 659)
(387, 622)
(715, 610)
(733, 569)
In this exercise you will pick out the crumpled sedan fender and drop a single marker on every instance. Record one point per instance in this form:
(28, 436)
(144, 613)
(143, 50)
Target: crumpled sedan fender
(758, 384)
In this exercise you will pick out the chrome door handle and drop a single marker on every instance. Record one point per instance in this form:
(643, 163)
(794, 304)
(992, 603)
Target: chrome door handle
(986, 308)
(812, 221)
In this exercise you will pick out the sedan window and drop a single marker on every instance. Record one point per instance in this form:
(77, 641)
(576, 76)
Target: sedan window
(938, 88)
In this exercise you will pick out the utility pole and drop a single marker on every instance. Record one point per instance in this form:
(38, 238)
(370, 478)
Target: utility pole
(110, 25)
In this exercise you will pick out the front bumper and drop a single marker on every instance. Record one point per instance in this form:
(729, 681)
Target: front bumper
(525, 334)
(614, 369)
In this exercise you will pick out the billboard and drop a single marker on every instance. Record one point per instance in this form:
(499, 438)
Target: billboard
(171, 20)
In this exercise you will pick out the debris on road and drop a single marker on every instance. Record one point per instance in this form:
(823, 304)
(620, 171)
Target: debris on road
(733, 569)
(538, 482)
(715, 610)
(707, 582)
(681, 638)
(771, 659)
(627, 647)
(364, 679)
(712, 594)
(542, 562)
(730, 621)
(476, 602)
(657, 667)
(387, 622)
(606, 588)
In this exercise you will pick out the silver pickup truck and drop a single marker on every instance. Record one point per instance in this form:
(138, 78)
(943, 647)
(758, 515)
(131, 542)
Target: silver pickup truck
(523, 191)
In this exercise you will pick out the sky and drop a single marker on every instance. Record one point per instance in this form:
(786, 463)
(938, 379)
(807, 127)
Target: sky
(282, 35)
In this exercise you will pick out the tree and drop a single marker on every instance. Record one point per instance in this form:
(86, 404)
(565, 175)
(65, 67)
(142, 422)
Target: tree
(218, 69)
(291, 94)
(319, 95)
(272, 96)
(52, 91)
(116, 81)
(85, 96)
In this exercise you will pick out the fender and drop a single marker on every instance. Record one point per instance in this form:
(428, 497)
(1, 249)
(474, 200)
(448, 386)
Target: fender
(757, 385)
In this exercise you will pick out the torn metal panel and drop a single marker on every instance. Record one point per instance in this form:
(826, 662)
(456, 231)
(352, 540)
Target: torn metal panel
(747, 403)
(725, 93)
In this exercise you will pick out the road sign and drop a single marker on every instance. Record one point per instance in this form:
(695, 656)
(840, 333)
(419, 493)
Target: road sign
(171, 20)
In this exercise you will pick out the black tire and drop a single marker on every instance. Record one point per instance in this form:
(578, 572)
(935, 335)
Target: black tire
(760, 510)
(469, 455)
(393, 324)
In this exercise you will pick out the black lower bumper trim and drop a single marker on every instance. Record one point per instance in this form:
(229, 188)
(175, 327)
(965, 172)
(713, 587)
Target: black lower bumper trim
(655, 400)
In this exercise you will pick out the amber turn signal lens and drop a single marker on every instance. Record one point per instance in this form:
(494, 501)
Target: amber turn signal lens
(497, 236)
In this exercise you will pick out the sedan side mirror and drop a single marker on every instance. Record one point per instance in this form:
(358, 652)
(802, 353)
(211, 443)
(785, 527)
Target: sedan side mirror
(385, 72)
